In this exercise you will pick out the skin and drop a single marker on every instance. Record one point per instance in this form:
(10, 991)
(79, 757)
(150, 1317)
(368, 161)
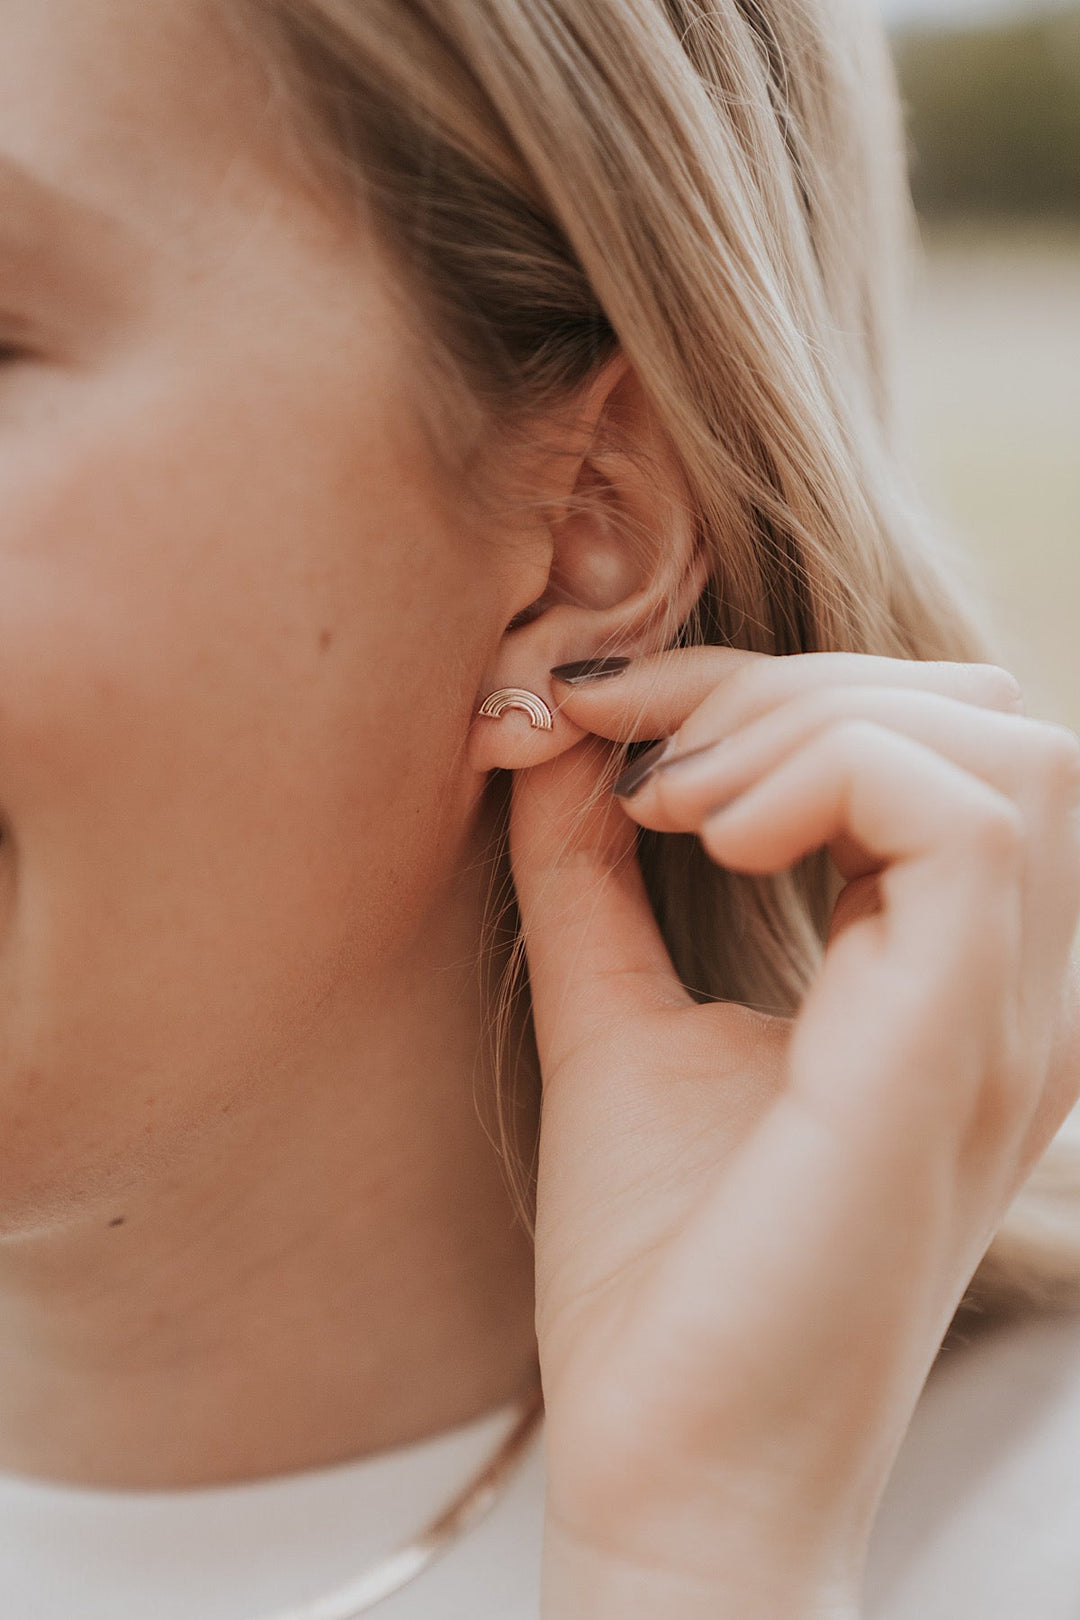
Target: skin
(245, 625)
(238, 1011)
(249, 1220)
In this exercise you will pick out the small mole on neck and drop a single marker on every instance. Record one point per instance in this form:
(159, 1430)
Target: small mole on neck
(118, 1221)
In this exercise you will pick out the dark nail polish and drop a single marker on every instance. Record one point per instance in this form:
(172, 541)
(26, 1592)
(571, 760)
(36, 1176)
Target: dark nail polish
(589, 669)
(636, 775)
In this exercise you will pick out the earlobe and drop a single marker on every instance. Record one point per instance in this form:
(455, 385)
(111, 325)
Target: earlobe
(516, 697)
(515, 728)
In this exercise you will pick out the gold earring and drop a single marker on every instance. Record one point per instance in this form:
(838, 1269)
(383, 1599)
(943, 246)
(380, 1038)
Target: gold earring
(515, 697)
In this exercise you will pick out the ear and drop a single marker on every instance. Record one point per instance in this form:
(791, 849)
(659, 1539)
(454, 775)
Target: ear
(625, 566)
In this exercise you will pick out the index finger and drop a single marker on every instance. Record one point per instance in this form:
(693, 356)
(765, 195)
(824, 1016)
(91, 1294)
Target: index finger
(656, 695)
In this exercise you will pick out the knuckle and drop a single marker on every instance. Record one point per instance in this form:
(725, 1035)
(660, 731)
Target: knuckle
(1000, 688)
(734, 693)
(1059, 759)
(850, 735)
(822, 706)
(1002, 1107)
(995, 831)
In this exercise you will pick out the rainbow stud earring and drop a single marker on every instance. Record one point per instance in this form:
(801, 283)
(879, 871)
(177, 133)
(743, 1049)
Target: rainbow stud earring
(515, 697)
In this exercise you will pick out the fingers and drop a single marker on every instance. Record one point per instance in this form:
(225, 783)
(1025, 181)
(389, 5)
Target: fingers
(1006, 751)
(963, 964)
(595, 952)
(690, 690)
(896, 798)
(942, 965)
(1033, 765)
(926, 778)
(909, 1102)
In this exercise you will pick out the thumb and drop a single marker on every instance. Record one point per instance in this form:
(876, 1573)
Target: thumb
(595, 952)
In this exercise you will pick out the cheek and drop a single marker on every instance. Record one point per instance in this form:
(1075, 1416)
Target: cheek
(232, 701)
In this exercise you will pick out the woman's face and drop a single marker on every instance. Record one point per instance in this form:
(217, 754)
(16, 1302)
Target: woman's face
(241, 631)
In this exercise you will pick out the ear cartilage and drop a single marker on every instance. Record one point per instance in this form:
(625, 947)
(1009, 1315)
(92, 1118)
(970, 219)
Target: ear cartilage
(515, 697)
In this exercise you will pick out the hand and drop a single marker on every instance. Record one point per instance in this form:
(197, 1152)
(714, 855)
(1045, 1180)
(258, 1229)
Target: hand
(752, 1232)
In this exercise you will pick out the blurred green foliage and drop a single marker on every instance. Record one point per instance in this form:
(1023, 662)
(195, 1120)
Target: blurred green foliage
(994, 117)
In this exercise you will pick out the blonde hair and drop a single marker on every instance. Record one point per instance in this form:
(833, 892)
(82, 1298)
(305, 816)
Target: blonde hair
(716, 189)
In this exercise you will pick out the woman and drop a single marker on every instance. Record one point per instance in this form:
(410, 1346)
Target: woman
(407, 405)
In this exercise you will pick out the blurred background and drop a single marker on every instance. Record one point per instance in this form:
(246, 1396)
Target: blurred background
(992, 366)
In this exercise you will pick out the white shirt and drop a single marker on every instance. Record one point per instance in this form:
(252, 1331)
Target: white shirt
(981, 1520)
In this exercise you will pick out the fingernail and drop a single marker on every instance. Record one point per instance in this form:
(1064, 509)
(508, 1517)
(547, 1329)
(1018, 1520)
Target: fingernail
(589, 669)
(636, 775)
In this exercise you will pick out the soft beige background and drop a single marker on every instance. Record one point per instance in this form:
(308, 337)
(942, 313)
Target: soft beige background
(992, 395)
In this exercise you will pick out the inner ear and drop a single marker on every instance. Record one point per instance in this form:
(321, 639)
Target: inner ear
(600, 558)
(611, 512)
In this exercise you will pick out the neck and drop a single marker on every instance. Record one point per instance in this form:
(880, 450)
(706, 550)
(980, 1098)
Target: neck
(334, 1268)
